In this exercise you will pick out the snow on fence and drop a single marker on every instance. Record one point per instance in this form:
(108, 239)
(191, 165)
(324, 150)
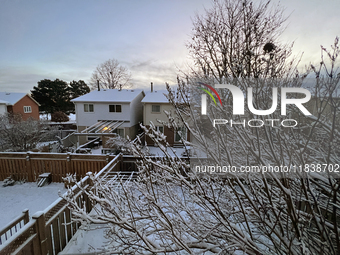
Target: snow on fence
(28, 166)
(50, 230)
(14, 226)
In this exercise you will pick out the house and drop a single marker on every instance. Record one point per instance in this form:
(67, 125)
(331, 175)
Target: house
(3, 107)
(108, 112)
(20, 103)
(155, 105)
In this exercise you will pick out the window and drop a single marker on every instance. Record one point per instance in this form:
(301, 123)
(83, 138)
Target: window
(181, 133)
(88, 108)
(156, 108)
(160, 129)
(115, 108)
(27, 109)
(119, 131)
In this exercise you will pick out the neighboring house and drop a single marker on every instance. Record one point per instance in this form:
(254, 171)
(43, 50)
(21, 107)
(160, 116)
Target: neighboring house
(20, 103)
(3, 107)
(107, 112)
(155, 104)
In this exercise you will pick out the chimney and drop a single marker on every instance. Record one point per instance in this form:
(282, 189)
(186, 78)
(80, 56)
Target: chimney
(120, 87)
(151, 86)
(98, 85)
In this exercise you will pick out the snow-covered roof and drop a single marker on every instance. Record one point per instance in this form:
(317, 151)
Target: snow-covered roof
(109, 95)
(156, 97)
(3, 102)
(11, 98)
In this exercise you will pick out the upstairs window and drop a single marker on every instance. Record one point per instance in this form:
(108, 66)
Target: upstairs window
(88, 108)
(115, 108)
(156, 108)
(27, 109)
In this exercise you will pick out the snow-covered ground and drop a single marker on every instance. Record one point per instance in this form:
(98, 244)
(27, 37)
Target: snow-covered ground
(97, 150)
(72, 117)
(14, 199)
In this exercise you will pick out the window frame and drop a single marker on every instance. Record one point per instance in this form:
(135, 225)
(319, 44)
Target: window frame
(160, 127)
(114, 107)
(152, 108)
(182, 129)
(116, 132)
(28, 109)
(87, 107)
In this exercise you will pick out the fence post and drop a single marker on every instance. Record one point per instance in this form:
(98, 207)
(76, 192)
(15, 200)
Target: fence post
(69, 163)
(30, 177)
(40, 219)
(26, 217)
(121, 159)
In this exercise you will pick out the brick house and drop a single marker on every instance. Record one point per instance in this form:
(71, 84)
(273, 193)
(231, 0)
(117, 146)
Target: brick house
(20, 103)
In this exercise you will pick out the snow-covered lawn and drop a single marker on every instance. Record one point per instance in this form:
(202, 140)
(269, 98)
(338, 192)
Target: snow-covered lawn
(14, 199)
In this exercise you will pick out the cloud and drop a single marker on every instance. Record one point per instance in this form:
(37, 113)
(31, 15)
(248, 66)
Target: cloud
(156, 71)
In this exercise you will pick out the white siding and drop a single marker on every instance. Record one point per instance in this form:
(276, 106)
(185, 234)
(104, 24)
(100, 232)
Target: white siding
(150, 116)
(101, 112)
(3, 109)
(136, 110)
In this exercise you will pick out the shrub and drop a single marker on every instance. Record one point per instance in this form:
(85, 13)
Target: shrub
(59, 117)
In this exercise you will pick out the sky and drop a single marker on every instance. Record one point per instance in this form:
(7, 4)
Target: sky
(68, 39)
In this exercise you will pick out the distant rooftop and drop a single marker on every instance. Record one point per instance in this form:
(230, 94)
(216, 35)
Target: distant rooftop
(11, 98)
(109, 95)
(156, 97)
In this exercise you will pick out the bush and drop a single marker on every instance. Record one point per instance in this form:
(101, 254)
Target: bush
(59, 117)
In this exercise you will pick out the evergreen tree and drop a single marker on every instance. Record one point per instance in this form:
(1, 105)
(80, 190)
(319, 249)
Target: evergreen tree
(54, 96)
(78, 88)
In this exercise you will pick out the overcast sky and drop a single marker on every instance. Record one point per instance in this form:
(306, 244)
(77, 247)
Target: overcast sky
(67, 39)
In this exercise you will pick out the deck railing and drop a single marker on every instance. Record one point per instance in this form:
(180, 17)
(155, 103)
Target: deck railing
(14, 226)
(50, 230)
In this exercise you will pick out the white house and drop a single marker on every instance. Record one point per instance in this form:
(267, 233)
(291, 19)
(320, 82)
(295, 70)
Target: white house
(155, 105)
(108, 111)
(3, 107)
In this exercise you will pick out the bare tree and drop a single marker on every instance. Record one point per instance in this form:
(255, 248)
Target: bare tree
(175, 209)
(239, 39)
(110, 75)
(19, 135)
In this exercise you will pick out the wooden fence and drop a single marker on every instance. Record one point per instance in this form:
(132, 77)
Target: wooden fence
(50, 230)
(28, 166)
